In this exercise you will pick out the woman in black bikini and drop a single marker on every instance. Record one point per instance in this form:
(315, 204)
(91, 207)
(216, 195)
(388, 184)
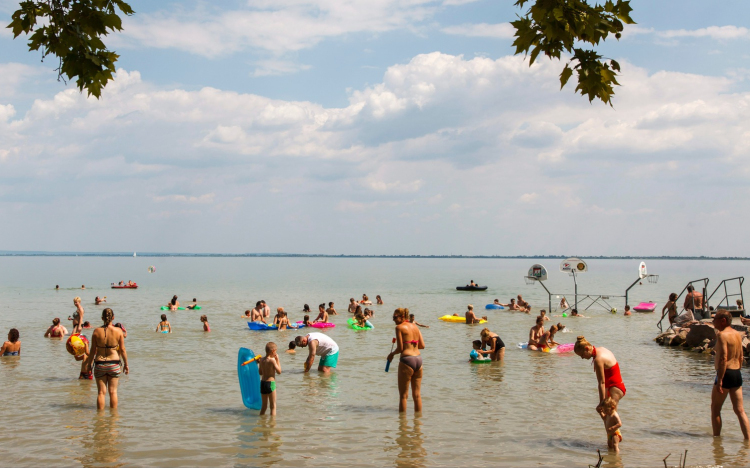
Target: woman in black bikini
(493, 340)
(409, 341)
(108, 357)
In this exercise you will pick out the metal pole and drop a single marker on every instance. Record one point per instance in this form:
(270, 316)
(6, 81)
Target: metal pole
(549, 296)
(576, 284)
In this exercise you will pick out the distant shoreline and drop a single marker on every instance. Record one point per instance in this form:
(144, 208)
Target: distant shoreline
(7, 253)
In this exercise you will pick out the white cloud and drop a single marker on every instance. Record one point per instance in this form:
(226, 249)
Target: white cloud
(529, 198)
(497, 31)
(276, 27)
(479, 139)
(713, 32)
(206, 198)
(278, 67)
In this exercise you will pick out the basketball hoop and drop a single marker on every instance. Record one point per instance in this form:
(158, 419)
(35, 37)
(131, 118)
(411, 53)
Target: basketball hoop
(653, 279)
(530, 279)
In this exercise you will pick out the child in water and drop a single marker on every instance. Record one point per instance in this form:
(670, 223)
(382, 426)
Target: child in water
(268, 367)
(292, 345)
(193, 305)
(613, 424)
(412, 320)
(283, 323)
(306, 320)
(164, 326)
(475, 355)
(360, 319)
(206, 326)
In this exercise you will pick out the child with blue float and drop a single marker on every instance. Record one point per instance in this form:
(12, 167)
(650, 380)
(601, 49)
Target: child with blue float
(475, 354)
(268, 367)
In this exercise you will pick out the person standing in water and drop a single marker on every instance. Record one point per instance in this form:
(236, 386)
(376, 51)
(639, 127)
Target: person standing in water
(109, 359)
(319, 344)
(727, 361)
(322, 314)
(409, 341)
(12, 347)
(56, 330)
(493, 340)
(607, 370)
(77, 315)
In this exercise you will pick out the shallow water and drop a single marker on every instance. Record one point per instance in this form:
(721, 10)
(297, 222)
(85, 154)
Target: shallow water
(181, 404)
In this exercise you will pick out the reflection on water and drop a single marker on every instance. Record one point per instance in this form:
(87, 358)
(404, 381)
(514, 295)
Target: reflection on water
(737, 456)
(492, 372)
(10, 362)
(259, 442)
(412, 454)
(101, 447)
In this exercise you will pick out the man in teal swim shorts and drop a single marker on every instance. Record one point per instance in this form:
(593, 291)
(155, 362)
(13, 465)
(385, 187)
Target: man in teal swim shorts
(321, 345)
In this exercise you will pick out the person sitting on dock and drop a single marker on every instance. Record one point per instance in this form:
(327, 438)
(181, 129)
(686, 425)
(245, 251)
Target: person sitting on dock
(471, 317)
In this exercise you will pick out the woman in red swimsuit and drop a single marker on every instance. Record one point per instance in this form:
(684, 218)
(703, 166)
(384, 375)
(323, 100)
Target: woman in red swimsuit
(607, 371)
(409, 341)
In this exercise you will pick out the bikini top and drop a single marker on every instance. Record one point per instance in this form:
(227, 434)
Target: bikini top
(105, 340)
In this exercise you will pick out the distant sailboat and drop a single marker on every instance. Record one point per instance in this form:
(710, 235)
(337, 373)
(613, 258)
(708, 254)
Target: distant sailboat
(134, 254)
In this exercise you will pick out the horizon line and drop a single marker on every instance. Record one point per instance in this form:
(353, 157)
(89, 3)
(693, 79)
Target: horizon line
(40, 253)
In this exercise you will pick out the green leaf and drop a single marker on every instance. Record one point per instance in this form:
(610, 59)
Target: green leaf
(565, 76)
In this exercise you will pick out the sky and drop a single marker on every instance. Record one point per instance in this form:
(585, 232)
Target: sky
(380, 127)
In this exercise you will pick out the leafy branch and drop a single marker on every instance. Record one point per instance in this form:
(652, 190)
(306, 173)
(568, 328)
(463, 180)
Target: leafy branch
(72, 30)
(556, 26)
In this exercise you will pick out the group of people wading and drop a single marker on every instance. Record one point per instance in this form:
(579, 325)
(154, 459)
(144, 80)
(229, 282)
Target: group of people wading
(107, 359)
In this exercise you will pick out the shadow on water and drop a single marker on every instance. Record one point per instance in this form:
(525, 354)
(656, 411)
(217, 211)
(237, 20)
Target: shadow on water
(678, 434)
(576, 445)
(73, 406)
(236, 411)
(366, 409)
(410, 441)
(101, 447)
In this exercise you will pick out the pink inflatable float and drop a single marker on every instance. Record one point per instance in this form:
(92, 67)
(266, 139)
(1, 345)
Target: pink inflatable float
(645, 307)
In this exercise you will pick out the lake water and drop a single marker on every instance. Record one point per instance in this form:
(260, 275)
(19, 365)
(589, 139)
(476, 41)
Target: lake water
(181, 405)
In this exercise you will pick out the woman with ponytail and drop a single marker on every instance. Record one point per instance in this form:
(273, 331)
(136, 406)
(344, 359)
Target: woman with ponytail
(109, 358)
(607, 370)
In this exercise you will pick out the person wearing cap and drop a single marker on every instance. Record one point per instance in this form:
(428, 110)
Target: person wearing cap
(319, 344)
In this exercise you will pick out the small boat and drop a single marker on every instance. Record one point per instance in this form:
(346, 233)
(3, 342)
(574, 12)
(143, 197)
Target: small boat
(471, 288)
(135, 286)
(645, 307)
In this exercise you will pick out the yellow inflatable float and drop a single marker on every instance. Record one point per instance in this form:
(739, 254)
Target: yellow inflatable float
(453, 318)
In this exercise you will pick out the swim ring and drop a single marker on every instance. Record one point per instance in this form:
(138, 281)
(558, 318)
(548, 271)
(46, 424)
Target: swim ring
(454, 319)
(494, 306)
(475, 359)
(353, 325)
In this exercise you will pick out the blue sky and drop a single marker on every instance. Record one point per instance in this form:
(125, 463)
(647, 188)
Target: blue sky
(380, 126)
